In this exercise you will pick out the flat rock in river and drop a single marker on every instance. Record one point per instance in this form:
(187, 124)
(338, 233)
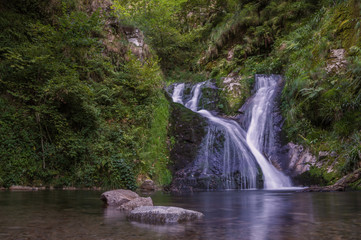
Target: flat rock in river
(118, 197)
(136, 202)
(161, 214)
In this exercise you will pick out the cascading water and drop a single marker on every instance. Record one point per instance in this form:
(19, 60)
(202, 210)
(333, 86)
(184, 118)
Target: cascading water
(178, 93)
(231, 157)
(259, 114)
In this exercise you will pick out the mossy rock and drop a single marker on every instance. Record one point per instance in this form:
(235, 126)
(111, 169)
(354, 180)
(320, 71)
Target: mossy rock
(187, 128)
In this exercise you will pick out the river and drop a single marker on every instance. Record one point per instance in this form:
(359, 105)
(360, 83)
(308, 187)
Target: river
(243, 214)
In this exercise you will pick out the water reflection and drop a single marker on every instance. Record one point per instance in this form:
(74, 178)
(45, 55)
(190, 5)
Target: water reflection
(112, 215)
(228, 215)
(169, 229)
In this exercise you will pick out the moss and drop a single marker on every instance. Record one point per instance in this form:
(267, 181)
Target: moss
(315, 176)
(155, 153)
(210, 98)
(356, 185)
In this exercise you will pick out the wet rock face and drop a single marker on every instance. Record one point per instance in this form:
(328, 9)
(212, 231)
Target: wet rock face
(210, 97)
(163, 215)
(118, 197)
(187, 180)
(188, 129)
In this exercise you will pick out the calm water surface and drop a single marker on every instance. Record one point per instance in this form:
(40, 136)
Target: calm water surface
(228, 215)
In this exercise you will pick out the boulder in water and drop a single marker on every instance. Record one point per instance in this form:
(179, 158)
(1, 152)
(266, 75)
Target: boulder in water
(118, 197)
(161, 214)
(136, 202)
(147, 186)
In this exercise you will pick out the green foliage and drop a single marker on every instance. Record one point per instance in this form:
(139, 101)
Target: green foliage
(180, 75)
(352, 155)
(157, 19)
(320, 107)
(19, 161)
(316, 176)
(69, 116)
(175, 29)
(155, 154)
(75, 114)
(122, 175)
(258, 23)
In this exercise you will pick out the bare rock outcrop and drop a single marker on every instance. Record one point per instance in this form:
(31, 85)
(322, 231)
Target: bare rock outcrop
(115, 33)
(137, 45)
(337, 61)
(231, 83)
(300, 159)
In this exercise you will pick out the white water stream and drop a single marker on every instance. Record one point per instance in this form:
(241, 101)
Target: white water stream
(242, 152)
(260, 108)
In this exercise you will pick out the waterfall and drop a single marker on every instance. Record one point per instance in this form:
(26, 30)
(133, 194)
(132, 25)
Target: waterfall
(231, 157)
(259, 111)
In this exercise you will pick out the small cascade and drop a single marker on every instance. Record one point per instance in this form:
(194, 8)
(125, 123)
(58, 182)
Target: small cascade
(178, 93)
(230, 157)
(193, 103)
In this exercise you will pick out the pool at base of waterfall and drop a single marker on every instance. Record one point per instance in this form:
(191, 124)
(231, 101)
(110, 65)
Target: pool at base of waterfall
(245, 214)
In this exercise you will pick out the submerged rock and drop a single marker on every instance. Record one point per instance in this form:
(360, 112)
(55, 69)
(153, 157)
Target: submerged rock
(161, 214)
(136, 202)
(118, 197)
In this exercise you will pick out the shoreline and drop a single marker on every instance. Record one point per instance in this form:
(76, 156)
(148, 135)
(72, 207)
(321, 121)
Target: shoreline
(18, 188)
